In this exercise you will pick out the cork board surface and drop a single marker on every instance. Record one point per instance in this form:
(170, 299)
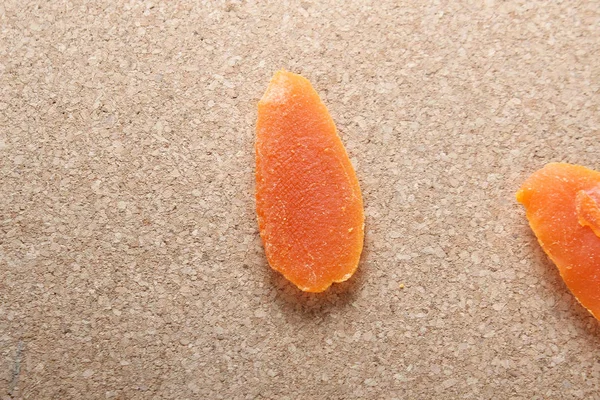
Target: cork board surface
(130, 261)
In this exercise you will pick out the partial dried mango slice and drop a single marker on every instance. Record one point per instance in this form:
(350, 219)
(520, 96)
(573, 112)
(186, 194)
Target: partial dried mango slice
(308, 201)
(562, 203)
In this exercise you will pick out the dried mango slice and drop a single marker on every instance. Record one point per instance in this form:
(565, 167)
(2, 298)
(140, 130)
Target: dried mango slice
(308, 201)
(563, 208)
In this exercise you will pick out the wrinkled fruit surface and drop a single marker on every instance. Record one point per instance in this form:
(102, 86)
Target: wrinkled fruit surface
(308, 201)
(563, 208)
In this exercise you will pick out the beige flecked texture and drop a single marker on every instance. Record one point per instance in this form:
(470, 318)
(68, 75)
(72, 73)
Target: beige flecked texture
(130, 261)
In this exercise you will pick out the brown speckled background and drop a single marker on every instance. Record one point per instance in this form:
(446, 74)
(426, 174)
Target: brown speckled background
(130, 262)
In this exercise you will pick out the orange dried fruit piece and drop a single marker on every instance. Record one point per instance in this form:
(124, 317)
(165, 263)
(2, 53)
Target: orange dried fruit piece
(562, 203)
(308, 201)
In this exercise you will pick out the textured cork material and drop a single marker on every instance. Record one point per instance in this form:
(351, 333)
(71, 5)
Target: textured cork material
(130, 261)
